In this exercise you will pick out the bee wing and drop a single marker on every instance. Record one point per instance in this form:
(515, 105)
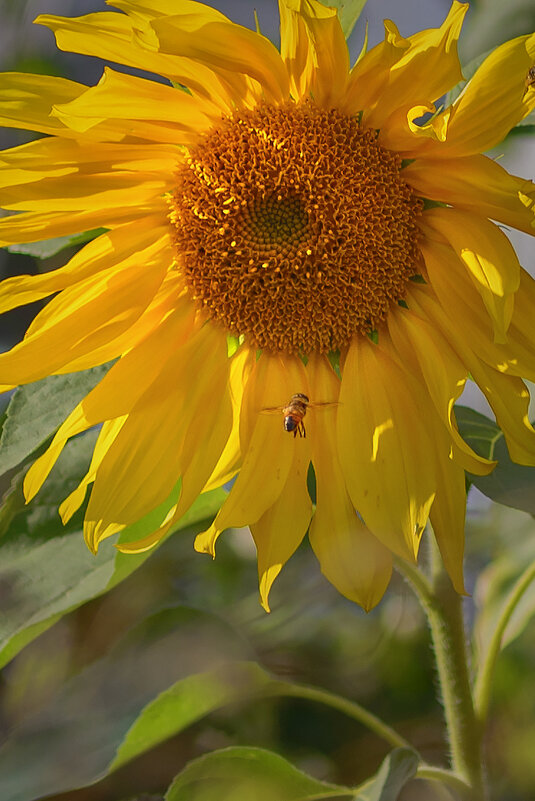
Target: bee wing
(323, 404)
(272, 410)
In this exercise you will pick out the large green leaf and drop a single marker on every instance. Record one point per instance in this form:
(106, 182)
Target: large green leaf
(396, 770)
(71, 741)
(239, 773)
(348, 13)
(509, 483)
(189, 700)
(36, 410)
(46, 569)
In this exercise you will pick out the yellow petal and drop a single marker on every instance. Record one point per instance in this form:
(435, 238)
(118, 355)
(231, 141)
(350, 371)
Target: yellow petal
(156, 444)
(496, 93)
(327, 49)
(509, 399)
(105, 251)
(296, 50)
(268, 450)
(448, 517)
(280, 530)
(478, 184)
(385, 455)
(488, 256)
(111, 37)
(36, 226)
(228, 464)
(27, 100)
(72, 502)
(119, 390)
(87, 315)
(429, 67)
(458, 311)
(506, 393)
(118, 96)
(224, 45)
(443, 373)
(371, 74)
(350, 556)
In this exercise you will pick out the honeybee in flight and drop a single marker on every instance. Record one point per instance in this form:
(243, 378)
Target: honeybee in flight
(295, 411)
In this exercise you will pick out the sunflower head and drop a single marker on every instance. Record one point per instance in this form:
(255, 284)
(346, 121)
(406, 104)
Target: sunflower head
(333, 219)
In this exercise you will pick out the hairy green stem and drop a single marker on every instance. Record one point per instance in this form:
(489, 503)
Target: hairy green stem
(486, 670)
(443, 607)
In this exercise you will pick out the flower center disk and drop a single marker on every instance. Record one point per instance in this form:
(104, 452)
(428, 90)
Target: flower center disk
(294, 227)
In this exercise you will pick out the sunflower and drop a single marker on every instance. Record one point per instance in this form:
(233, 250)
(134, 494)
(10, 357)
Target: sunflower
(276, 224)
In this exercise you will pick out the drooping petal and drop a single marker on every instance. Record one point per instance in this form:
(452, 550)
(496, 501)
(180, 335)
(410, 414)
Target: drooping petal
(509, 398)
(506, 393)
(101, 253)
(456, 291)
(157, 442)
(386, 459)
(72, 502)
(119, 390)
(280, 530)
(87, 315)
(36, 226)
(447, 517)
(443, 373)
(268, 450)
(350, 556)
(240, 369)
(489, 258)
(477, 184)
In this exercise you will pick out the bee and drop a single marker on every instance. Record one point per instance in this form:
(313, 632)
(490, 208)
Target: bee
(530, 78)
(295, 411)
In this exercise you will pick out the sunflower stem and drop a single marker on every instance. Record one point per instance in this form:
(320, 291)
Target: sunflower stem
(443, 608)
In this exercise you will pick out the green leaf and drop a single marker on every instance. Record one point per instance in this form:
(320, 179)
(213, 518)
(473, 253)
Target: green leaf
(46, 569)
(189, 700)
(509, 483)
(396, 770)
(71, 740)
(49, 247)
(239, 773)
(36, 410)
(348, 13)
